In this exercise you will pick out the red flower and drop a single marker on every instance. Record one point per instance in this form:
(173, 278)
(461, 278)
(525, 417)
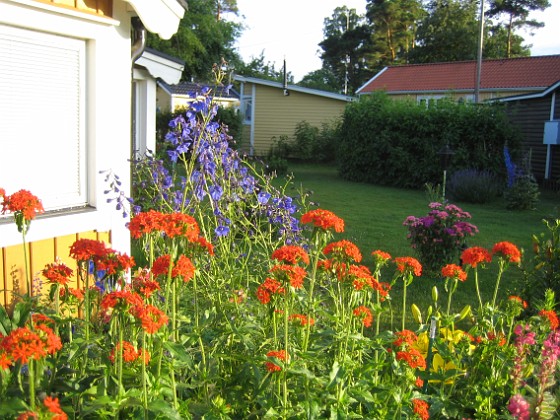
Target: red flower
(269, 287)
(183, 268)
(518, 299)
(175, 224)
(23, 344)
(152, 318)
(53, 406)
(289, 273)
(51, 340)
(380, 257)
(141, 282)
(87, 249)
(552, 318)
(77, 293)
(204, 244)
(409, 265)
(58, 273)
(364, 313)
(291, 254)
(323, 219)
(405, 338)
(343, 249)
(362, 277)
(508, 251)
(303, 320)
(413, 357)
(280, 355)
(121, 299)
(453, 271)
(22, 202)
(5, 361)
(130, 354)
(28, 415)
(475, 255)
(114, 262)
(421, 408)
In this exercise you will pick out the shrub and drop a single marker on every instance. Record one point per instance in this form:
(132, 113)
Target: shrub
(305, 139)
(474, 186)
(439, 236)
(523, 194)
(396, 143)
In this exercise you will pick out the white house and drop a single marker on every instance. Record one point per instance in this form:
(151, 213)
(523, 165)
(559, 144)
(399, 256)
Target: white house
(66, 72)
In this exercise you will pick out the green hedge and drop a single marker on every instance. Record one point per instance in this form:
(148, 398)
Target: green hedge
(396, 142)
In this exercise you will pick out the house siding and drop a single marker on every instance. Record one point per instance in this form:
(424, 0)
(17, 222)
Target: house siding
(530, 115)
(277, 115)
(40, 253)
(98, 7)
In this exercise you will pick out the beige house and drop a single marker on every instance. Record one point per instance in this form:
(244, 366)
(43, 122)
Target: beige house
(457, 80)
(67, 78)
(271, 109)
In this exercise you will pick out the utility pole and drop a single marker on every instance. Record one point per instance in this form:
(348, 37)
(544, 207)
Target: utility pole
(479, 55)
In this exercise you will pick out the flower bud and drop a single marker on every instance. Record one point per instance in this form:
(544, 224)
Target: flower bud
(434, 294)
(416, 314)
(429, 312)
(465, 312)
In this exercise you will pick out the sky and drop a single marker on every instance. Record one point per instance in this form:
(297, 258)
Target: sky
(292, 30)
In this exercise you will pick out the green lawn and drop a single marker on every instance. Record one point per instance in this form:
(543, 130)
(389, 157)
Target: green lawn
(374, 216)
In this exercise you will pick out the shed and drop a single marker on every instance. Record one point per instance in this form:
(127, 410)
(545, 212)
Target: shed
(271, 109)
(65, 101)
(536, 114)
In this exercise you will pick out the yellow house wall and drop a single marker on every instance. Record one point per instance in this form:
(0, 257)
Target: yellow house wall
(276, 114)
(39, 254)
(456, 96)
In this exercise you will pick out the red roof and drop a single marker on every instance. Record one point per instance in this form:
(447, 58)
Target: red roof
(513, 73)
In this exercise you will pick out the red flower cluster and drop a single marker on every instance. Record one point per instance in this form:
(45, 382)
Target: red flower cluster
(22, 202)
(184, 267)
(405, 338)
(380, 257)
(303, 320)
(343, 249)
(552, 318)
(130, 354)
(88, 249)
(141, 283)
(77, 293)
(151, 317)
(475, 255)
(421, 408)
(364, 313)
(518, 299)
(453, 271)
(57, 273)
(29, 343)
(289, 273)
(409, 265)
(508, 251)
(174, 224)
(121, 300)
(53, 405)
(278, 354)
(291, 254)
(412, 357)
(323, 219)
(268, 288)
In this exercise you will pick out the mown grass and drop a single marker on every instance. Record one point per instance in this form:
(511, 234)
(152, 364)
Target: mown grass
(374, 215)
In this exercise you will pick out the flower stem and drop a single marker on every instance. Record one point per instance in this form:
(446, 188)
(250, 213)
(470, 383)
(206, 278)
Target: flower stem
(500, 272)
(403, 323)
(477, 289)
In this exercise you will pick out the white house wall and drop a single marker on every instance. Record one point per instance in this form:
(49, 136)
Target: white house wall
(108, 115)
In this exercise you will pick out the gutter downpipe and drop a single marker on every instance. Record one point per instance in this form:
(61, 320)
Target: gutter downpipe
(137, 48)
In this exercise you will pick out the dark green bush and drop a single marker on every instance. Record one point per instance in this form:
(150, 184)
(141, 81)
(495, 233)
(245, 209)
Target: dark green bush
(523, 194)
(474, 186)
(396, 142)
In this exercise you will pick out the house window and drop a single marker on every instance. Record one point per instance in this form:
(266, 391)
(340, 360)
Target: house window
(247, 109)
(42, 116)
(429, 100)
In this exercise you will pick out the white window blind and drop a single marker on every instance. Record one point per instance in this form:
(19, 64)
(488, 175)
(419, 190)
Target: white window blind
(42, 116)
